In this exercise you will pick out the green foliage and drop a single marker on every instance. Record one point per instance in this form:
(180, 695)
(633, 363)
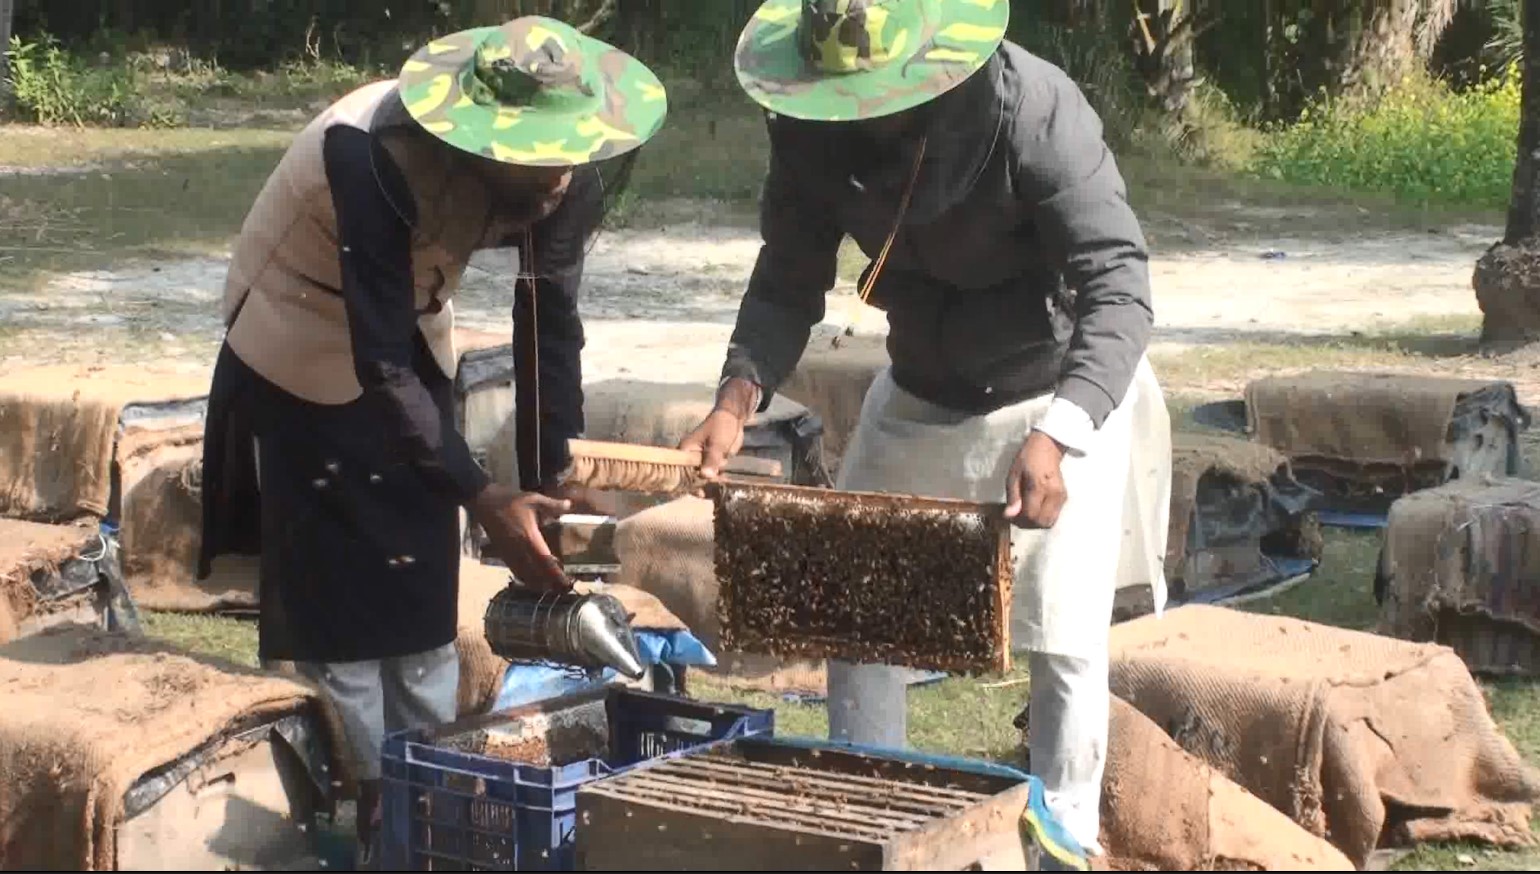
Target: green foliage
(52, 87)
(159, 87)
(1422, 141)
(1096, 60)
(1507, 40)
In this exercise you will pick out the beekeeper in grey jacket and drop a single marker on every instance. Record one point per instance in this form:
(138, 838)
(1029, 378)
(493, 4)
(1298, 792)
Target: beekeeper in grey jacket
(1015, 280)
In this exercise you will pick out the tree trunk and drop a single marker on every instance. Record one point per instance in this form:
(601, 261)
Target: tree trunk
(1385, 47)
(1507, 278)
(7, 13)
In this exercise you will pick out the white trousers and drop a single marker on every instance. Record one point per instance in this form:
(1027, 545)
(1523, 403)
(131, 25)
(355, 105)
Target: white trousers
(1110, 533)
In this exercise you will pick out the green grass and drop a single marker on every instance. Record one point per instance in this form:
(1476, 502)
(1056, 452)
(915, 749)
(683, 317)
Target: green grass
(1419, 344)
(218, 636)
(954, 717)
(161, 194)
(165, 88)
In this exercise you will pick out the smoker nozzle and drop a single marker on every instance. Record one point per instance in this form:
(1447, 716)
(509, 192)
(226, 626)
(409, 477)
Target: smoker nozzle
(588, 631)
(604, 632)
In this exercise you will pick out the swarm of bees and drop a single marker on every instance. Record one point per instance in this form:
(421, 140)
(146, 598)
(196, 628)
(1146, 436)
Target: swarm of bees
(863, 577)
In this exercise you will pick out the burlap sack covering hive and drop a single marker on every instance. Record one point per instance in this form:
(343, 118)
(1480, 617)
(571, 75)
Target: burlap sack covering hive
(87, 713)
(832, 382)
(65, 435)
(59, 428)
(1350, 734)
(1461, 566)
(162, 527)
(668, 552)
(1165, 810)
(481, 670)
(27, 548)
(1395, 431)
(1197, 459)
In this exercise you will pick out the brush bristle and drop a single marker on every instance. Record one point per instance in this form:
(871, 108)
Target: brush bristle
(608, 474)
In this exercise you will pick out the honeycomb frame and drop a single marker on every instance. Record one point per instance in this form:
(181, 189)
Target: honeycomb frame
(807, 572)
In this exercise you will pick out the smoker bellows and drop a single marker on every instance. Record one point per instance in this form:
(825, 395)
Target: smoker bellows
(866, 577)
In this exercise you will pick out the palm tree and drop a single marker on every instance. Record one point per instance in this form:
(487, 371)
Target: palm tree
(1507, 42)
(1392, 35)
(1507, 278)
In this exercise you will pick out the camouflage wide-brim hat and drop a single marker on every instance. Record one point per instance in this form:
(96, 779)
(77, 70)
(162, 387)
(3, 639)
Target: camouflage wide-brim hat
(843, 60)
(533, 91)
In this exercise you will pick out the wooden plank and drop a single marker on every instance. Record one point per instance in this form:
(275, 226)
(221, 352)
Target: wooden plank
(619, 834)
(640, 821)
(928, 800)
(749, 807)
(933, 801)
(965, 839)
(861, 765)
(857, 813)
(883, 500)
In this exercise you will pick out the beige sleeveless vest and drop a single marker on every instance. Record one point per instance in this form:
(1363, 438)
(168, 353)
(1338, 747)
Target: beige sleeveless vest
(285, 280)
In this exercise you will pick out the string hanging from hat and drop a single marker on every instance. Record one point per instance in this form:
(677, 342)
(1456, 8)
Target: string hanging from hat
(529, 275)
(865, 292)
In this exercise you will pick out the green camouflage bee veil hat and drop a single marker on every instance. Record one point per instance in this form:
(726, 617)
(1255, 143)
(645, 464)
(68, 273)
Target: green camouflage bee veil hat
(843, 60)
(533, 91)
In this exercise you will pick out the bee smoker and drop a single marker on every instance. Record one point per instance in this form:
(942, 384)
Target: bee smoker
(566, 629)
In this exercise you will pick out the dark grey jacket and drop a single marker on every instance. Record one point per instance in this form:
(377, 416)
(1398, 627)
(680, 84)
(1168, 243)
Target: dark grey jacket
(1020, 268)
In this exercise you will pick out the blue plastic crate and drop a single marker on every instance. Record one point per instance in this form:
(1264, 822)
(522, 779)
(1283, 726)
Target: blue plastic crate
(447, 809)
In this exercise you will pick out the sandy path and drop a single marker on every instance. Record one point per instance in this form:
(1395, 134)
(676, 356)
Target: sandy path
(1332, 286)
(659, 305)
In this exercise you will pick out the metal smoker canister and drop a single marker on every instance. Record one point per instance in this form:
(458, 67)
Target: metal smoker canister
(588, 631)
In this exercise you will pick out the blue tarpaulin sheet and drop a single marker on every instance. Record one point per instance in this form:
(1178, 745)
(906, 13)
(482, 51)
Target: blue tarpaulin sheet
(525, 684)
(1340, 519)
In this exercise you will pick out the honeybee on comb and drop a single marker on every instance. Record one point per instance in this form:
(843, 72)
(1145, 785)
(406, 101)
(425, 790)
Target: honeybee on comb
(863, 577)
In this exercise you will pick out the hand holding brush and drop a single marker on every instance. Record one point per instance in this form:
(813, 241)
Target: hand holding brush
(720, 436)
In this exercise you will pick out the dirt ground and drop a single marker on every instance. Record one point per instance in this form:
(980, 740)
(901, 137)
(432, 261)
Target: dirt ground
(659, 303)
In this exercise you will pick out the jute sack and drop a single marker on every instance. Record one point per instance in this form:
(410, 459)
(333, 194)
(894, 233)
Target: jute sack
(58, 432)
(122, 441)
(1164, 809)
(1363, 436)
(28, 548)
(161, 519)
(1352, 735)
(1246, 507)
(1459, 566)
(87, 713)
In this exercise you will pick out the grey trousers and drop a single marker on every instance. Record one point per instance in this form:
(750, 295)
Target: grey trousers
(376, 698)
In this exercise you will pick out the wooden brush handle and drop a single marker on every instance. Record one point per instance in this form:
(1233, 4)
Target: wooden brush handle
(743, 464)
